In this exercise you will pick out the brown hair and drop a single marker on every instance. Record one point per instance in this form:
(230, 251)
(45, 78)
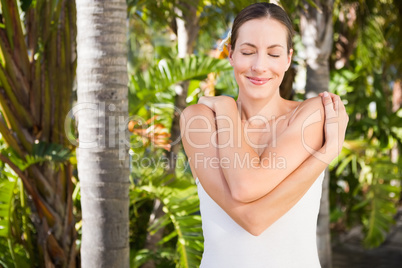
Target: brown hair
(262, 10)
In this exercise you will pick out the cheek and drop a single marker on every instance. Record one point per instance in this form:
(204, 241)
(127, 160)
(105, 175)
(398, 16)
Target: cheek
(240, 64)
(280, 66)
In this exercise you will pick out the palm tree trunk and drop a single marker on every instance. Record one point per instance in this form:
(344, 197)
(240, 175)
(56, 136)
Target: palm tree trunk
(103, 163)
(317, 37)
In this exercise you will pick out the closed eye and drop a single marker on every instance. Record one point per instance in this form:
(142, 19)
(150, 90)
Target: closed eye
(246, 53)
(275, 56)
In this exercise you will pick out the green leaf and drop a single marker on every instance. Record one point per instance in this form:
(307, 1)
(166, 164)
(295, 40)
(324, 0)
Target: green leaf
(145, 86)
(25, 4)
(180, 207)
(55, 152)
(6, 197)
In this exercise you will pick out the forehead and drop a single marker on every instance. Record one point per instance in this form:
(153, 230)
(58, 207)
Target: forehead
(262, 32)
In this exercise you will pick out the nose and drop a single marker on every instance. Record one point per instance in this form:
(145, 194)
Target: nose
(260, 64)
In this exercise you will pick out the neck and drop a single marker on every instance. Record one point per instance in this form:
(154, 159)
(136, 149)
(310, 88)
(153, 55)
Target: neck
(267, 108)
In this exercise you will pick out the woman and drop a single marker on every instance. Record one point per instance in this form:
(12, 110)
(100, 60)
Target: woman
(259, 161)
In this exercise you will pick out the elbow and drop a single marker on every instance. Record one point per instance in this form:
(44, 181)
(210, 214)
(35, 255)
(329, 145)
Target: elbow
(242, 194)
(253, 224)
(255, 231)
(240, 197)
(246, 193)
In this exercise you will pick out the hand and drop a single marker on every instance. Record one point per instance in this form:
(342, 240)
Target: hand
(336, 121)
(212, 102)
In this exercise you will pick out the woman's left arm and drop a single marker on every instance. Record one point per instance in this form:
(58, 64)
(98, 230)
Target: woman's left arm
(256, 216)
(250, 176)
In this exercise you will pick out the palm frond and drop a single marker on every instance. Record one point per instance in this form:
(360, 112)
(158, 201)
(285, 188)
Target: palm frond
(6, 197)
(42, 152)
(13, 229)
(51, 152)
(181, 208)
(158, 79)
(378, 182)
(371, 45)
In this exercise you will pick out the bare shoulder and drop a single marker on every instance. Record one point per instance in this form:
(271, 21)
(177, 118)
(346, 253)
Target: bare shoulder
(194, 110)
(196, 116)
(312, 104)
(310, 109)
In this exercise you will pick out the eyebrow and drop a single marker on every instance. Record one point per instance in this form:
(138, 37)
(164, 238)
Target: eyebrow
(252, 45)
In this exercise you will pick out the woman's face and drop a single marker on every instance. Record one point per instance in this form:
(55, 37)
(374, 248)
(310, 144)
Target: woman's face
(260, 58)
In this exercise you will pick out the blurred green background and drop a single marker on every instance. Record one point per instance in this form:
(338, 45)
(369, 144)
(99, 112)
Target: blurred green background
(359, 42)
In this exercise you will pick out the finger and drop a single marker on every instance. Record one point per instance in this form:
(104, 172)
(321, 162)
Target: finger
(326, 98)
(336, 106)
(330, 93)
(203, 99)
(335, 101)
(333, 96)
(328, 106)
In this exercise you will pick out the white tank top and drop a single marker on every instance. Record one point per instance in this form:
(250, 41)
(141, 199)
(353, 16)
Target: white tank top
(289, 242)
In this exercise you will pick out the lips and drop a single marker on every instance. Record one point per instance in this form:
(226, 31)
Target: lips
(258, 80)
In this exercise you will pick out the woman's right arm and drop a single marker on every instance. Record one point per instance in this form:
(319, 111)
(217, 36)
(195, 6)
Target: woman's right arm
(256, 216)
(249, 175)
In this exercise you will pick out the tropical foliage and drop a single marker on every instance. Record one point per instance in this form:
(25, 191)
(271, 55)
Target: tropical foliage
(182, 240)
(15, 231)
(152, 104)
(37, 40)
(37, 68)
(367, 186)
